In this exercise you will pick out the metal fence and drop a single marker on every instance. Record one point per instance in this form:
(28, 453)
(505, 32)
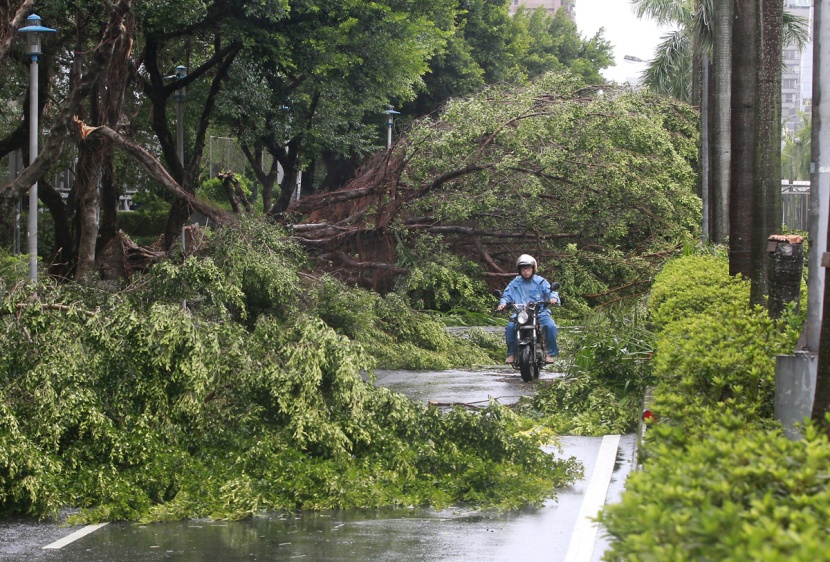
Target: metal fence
(225, 155)
(795, 204)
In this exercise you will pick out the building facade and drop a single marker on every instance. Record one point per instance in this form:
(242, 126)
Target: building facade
(550, 5)
(797, 74)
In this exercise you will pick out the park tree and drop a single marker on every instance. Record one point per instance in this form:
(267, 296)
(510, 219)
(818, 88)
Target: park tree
(526, 45)
(318, 77)
(119, 94)
(795, 153)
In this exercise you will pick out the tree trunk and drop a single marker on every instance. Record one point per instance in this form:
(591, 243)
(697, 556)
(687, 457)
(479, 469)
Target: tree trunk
(767, 218)
(9, 23)
(290, 168)
(744, 106)
(109, 200)
(307, 180)
(268, 178)
(118, 78)
(705, 149)
(61, 259)
(89, 173)
(722, 138)
(339, 170)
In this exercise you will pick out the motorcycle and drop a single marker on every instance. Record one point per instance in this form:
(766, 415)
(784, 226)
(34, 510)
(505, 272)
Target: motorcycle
(530, 352)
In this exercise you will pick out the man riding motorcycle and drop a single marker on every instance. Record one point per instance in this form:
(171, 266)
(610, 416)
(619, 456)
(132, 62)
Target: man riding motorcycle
(529, 287)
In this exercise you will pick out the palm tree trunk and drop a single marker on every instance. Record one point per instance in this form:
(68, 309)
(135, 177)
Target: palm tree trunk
(722, 138)
(705, 148)
(744, 106)
(767, 218)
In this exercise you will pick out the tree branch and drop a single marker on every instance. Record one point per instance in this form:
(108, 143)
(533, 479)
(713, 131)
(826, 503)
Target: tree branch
(154, 168)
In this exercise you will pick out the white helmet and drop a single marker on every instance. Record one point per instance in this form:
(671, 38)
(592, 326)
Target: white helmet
(525, 259)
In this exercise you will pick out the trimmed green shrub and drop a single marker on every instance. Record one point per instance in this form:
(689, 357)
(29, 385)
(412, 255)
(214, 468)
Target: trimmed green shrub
(719, 479)
(732, 495)
(697, 283)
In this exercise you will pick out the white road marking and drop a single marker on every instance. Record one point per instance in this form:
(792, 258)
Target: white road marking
(74, 536)
(581, 548)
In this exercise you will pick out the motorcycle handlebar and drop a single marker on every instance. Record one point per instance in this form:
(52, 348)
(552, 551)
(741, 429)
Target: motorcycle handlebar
(518, 306)
(555, 286)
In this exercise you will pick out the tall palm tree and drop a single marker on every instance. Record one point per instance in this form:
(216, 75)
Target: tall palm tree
(767, 201)
(673, 68)
(681, 69)
(721, 130)
(744, 106)
(680, 57)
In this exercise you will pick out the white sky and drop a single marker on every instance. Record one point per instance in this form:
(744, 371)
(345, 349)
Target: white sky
(627, 34)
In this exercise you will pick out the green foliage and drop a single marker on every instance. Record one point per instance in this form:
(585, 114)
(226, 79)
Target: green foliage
(531, 163)
(732, 495)
(13, 268)
(795, 154)
(397, 336)
(712, 347)
(696, 283)
(606, 379)
(263, 264)
(727, 356)
(615, 347)
(145, 224)
(720, 481)
(213, 190)
(579, 405)
(130, 406)
(447, 286)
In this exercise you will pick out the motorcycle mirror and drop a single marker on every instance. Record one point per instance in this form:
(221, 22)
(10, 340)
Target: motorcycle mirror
(555, 286)
(496, 293)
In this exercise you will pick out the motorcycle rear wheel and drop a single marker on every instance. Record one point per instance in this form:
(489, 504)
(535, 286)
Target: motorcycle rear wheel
(527, 364)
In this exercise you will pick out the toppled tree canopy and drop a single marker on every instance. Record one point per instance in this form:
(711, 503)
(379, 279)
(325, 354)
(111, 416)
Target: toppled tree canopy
(252, 398)
(598, 185)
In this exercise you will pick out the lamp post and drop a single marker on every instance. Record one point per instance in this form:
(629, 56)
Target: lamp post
(181, 73)
(390, 119)
(33, 32)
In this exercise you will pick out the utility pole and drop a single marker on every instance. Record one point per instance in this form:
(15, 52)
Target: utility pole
(802, 380)
(817, 329)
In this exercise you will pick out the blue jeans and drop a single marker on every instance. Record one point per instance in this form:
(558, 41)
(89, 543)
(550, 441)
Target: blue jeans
(549, 330)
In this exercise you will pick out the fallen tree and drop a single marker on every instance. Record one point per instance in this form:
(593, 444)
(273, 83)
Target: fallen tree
(599, 185)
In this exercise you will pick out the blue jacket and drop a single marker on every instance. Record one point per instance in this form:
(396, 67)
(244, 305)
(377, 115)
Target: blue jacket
(522, 291)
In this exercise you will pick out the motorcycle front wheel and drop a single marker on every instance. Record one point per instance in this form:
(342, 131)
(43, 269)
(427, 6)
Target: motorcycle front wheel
(527, 363)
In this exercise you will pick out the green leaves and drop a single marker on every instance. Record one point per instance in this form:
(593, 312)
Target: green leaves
(527, 165)
(130, 406)
(606, 379)
(719, 479)
(730, 496)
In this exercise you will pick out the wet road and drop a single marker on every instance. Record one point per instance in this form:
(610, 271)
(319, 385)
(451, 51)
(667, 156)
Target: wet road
(551, 533)
(464, 387)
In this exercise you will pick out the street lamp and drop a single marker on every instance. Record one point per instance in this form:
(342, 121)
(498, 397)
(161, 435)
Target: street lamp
(181, 73)
(390, 119)
(33, 32)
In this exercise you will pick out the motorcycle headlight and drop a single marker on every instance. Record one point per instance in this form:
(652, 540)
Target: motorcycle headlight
(522, 318)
